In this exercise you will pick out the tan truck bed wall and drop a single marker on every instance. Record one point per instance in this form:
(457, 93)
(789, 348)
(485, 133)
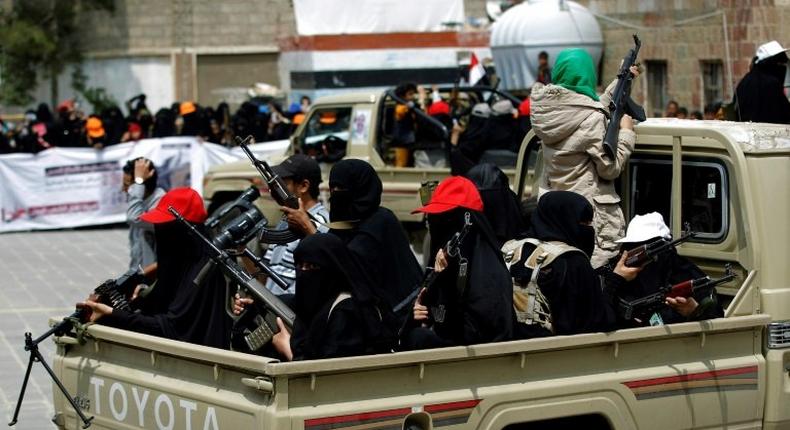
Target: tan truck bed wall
(771, 175)
(512, 381)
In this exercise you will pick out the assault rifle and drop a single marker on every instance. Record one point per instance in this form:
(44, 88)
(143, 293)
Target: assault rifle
(275, 183)
(452, 249)
(622, 103)
(653, 302)
(272, 306)
(648, 252)
(279, 193)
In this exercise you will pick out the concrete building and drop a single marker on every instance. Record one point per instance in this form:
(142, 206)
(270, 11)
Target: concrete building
(211, 51)
(694, 51)
(202, 50)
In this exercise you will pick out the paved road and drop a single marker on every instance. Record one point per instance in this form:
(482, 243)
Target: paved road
(42, 274)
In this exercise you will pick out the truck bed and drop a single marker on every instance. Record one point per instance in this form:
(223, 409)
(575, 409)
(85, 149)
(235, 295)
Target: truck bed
(130, 380)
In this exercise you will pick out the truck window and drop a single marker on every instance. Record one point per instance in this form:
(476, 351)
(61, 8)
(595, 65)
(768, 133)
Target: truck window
(704, 193)
(326, 134)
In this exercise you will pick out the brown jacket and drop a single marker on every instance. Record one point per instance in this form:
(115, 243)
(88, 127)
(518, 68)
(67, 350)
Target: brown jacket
(572, 127)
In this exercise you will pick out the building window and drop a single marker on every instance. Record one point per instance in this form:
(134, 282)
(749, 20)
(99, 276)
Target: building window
(657, 86)
(712, 81)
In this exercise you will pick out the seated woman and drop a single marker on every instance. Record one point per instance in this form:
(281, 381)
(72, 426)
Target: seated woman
(178, 307)
(471, 299)
(375, 238)
(500, 204)
(335, 312)
(580, 301)
(668, 269)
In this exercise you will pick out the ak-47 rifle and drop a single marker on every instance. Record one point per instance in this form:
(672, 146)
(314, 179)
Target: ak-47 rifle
(622, 103)
(275, 183)
(279, 193)
(452, 249)
(653, 302)
(271, 305)
(646, 253)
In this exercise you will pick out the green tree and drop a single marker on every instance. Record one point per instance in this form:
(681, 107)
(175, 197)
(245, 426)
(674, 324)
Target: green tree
(39, 39)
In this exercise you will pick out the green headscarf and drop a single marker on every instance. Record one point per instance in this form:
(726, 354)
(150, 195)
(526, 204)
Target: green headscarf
(575, 71)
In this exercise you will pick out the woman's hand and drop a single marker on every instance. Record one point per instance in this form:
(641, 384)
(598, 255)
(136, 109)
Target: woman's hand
(441, 261)
(627, 273)
(282, 341)
(420, 310)
(682, 305)
(240, 303)
(97, 310)
(626, 122)
(455, 134)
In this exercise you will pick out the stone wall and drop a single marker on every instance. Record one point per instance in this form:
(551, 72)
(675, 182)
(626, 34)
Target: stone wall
(160, 26)
(684, 45)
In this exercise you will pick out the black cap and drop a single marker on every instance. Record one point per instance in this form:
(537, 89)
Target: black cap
(299, 166)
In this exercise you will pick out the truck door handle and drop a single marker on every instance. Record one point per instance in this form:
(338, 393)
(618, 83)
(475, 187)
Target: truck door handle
(260, 383)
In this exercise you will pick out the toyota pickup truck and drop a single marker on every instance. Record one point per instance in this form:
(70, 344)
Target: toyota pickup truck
(728, 180)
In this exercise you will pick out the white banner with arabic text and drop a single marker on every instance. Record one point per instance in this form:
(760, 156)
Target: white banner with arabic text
(73, 187)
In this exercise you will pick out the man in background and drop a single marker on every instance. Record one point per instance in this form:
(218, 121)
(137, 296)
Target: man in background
(544, 71)
(139, 184)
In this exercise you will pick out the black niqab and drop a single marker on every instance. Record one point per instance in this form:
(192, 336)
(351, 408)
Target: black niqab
(354, 326)
(356, 190)
(500, 203)
(580, 300)
(164, 123)
(378, 244)
(178, 308)
(483, 310)
(561, 216)
(760, 95)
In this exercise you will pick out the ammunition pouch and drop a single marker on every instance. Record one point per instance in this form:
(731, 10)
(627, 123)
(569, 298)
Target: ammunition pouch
(529, 303)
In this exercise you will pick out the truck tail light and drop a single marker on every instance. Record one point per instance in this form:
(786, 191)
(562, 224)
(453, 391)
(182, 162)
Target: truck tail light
(779, 335)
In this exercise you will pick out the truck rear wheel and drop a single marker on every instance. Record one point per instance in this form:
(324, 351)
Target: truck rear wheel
(588, 422)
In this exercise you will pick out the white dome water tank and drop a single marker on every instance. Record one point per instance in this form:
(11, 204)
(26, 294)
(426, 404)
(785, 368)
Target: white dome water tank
(523, 31)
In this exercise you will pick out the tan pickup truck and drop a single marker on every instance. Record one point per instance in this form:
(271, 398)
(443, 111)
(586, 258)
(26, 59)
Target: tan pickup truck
(729, 180)
(360, 125)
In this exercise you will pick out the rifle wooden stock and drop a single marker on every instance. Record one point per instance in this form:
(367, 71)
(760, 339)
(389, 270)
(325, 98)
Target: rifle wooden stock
(657, 300)
(646, 253)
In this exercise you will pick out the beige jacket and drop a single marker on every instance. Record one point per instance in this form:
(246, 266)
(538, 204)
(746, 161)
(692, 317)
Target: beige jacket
(571, 127)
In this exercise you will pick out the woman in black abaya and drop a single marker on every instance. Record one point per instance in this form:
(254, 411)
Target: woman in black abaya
(457, 309)
(500, 204)
(177, 308)
(335, 312)
(375, 237)
(580, 300)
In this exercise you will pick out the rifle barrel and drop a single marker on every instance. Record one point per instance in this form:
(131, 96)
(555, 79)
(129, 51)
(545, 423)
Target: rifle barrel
(270, 301)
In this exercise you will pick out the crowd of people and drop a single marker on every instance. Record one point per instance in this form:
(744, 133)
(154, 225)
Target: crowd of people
(498, 270)
(70, 127)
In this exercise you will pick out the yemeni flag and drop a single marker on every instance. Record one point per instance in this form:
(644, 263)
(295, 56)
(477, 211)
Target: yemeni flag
(477, 73)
